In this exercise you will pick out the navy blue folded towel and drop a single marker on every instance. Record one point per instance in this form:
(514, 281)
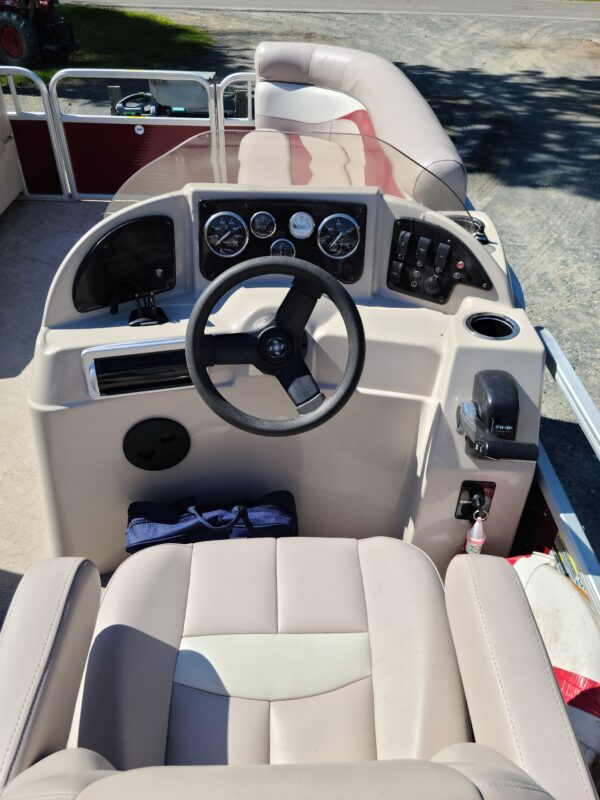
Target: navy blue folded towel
(186, 521)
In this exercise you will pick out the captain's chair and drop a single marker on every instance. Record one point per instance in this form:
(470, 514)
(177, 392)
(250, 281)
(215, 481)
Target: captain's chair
(331, 658)
(314, 88)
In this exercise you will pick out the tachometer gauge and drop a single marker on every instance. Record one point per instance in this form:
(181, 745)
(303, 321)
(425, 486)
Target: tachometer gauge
(226, 234)
(263, 225)
(301, 225)
(338, 236)
(283, 247)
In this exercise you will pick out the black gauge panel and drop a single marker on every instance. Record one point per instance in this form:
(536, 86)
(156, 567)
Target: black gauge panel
(131, 260)
(428, 262)
(331, 235)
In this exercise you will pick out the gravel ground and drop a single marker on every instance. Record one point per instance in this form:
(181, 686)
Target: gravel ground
(520, 99)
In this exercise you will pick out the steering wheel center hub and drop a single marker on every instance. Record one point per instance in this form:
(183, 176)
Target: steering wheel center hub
(276, 346)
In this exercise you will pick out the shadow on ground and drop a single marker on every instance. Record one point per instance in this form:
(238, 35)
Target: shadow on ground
(526, 128)
(578, 469)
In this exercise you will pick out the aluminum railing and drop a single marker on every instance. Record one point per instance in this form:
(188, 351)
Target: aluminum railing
(573, 389)
(10, 73)
(55, 116)
(61, 117)
(248, 79)
(584, 562)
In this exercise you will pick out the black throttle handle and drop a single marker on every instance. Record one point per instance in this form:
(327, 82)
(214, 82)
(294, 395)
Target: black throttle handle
(504, 450)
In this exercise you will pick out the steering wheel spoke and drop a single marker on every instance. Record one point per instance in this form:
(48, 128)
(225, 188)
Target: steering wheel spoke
(297, 306)
(230, 348)
(301, 387)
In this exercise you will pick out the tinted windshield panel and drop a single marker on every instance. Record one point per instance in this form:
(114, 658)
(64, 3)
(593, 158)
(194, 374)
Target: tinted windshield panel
(271, 159)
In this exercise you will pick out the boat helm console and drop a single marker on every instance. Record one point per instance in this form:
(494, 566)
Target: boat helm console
(420, 299)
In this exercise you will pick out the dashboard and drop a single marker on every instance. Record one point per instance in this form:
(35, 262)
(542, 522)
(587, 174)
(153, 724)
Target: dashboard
(144, 256)
(329, 234)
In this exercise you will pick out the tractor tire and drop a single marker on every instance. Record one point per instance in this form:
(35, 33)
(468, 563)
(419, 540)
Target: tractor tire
(19, 42)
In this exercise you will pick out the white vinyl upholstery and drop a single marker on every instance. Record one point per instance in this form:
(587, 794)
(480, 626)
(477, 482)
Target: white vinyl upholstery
(310, 88)
(272, 651)
(515, 704)
(305, 669)
(43, 645)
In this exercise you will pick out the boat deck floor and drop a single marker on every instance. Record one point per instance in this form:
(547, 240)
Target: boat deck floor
(34, 238)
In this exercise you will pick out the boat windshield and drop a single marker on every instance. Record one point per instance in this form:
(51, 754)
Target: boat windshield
(272, 159)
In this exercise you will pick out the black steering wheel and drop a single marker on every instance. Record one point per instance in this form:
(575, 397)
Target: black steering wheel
(275, 349)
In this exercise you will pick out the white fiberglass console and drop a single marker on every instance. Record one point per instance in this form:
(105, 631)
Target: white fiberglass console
(437, 310)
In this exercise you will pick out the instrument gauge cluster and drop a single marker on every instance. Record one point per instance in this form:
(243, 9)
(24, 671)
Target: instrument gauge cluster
(328, 234)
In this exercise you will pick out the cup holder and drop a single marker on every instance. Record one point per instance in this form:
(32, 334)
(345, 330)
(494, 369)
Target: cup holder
(492, 326)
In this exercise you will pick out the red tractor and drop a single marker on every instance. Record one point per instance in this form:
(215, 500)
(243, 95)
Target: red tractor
(30, 28)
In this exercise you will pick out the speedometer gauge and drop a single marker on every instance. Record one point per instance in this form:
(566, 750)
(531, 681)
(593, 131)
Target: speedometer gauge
(338, 236)
(226, 234)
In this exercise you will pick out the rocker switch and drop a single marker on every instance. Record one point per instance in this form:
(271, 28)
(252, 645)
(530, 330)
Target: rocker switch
(403, 243)
(395, 273)
(422, 250)
(441, 257)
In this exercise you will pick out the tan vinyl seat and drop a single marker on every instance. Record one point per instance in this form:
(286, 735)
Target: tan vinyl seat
(315, 88)
(272, 652)
(302, 668)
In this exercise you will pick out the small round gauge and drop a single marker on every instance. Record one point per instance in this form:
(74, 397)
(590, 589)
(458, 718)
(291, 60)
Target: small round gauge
(283, 247)
(263, 225)
(301, 225)
(338, 236)
(226, 234)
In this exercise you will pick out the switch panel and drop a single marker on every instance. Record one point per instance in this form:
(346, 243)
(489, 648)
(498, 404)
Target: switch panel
(427, 262)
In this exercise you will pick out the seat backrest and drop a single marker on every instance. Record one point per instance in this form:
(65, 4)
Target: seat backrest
(272, 651)
(308, 88)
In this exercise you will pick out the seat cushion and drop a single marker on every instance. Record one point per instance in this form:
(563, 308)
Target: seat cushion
(272, 651)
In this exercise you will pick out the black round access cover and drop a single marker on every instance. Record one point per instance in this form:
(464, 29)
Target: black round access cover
(156, 443)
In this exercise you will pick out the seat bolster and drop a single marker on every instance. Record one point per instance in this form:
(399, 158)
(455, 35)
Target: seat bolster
(514, 702)
(123, 707)
(60, 775)
(43, 647)
(495, 776)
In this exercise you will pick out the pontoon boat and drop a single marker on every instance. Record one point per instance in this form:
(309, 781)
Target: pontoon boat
(299, 299)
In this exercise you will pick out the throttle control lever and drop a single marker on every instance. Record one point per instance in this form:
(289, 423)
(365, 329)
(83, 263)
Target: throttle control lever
(489, 420)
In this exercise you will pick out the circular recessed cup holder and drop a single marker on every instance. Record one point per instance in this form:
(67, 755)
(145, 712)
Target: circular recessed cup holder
(492, 326)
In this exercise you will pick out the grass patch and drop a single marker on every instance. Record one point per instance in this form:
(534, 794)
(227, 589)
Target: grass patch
(120, 39)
